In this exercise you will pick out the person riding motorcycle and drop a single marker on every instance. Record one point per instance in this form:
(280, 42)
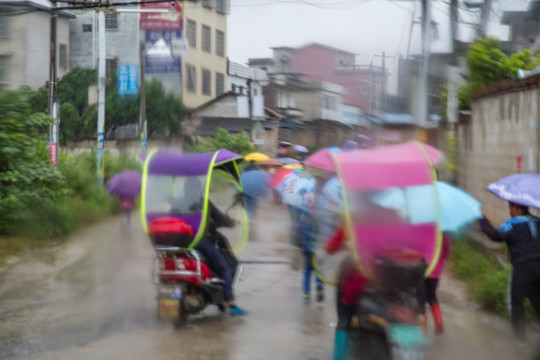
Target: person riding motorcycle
(208, 245)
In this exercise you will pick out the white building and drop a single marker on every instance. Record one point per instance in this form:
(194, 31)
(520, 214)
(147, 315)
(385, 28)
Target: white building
(25, 35)
(240, 79)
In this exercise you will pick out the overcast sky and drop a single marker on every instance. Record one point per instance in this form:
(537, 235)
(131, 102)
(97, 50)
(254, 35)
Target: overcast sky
(366, 27)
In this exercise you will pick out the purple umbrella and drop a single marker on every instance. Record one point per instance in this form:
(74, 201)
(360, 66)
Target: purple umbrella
(125, 184)
(522, 189)
(300, 148)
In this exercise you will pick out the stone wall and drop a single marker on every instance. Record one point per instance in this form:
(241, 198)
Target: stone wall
(500, 139)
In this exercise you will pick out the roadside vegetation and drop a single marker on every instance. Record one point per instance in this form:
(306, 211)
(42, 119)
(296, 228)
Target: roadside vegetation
(487, 279)
(40, 203)
(487, 64)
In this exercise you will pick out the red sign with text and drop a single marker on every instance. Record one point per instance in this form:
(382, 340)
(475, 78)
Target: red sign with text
(52, 153)
(171, 20)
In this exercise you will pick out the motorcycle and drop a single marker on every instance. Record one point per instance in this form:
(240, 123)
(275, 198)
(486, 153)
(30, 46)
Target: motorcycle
(391, 240)
(387, 323)
(185, 284)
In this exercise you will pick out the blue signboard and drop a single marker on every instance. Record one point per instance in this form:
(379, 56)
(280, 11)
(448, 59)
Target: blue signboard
(128, 79)
(158, 55)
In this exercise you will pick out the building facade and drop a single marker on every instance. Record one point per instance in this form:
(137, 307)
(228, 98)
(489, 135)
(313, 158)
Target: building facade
(122, 40)
(363, 84)
(241, 79)
(25, 35)
(204, 67)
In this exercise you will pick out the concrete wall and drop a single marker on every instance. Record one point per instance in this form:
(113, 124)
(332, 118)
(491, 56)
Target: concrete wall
(502, 128)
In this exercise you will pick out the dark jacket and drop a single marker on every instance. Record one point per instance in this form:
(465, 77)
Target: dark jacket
(520, 234)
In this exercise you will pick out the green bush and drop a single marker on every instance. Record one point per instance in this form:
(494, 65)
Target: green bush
(238, 143)
(488, 281)
(32, 192)
(89, 201)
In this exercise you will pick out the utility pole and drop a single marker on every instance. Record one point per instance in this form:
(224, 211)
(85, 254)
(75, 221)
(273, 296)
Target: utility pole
(52, 105)
(383, 80)
(452, 110)
(424, 66)
(485, 9)
(142, 99)
(101, 98)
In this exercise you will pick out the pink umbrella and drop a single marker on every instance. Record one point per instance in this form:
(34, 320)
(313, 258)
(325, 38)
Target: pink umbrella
(367, 173)
(396, 165)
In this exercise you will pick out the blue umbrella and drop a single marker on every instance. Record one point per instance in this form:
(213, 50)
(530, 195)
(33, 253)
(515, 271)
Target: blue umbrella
(255, 183)
(334, 149)
(457, 208)
(288, 161)
(522, 189)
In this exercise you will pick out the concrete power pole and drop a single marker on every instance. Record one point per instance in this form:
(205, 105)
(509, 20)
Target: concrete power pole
(383, 80)
(423, 71)
(101, 98)
(52, 105)
(452, 111)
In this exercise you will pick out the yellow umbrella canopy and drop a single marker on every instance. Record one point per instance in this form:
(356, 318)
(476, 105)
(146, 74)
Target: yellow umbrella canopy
(256, 156)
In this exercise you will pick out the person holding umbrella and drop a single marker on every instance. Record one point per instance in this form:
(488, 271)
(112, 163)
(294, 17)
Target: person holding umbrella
(126, 185)
(520, 233)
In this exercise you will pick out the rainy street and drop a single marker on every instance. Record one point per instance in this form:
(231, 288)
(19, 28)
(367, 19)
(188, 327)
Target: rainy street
(93, 298)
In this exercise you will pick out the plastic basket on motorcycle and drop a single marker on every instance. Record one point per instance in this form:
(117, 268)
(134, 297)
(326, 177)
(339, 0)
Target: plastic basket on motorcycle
(170, 231)
(400, 269)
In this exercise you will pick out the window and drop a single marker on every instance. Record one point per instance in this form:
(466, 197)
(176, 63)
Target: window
(220, 43)
(220, 84)
(191, 78)
(87, 28)
(220, 6)
(192, 33)
(4, 68)
(111, 65)
(62, 55)
(234, 88)
(206, 82)
(206, 4)
(4, 26)
(206, 38)
(111, 21)
(255, 92)
(329, 102)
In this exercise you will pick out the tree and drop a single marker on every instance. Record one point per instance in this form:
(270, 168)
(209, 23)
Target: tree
(164, 111)
(79, 120)
(31, 190)
(488, 64)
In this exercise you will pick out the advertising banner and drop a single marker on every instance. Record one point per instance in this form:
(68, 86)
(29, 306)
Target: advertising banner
(128, 79)
(170, 20)
(158, 55)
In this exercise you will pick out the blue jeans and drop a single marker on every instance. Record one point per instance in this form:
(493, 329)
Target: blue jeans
(217, 264)
(308, 269)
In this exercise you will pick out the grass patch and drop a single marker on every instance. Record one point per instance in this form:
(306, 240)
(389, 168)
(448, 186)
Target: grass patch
(488, 281)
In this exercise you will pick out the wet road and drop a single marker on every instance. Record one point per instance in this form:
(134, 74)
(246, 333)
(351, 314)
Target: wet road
(94, 299)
